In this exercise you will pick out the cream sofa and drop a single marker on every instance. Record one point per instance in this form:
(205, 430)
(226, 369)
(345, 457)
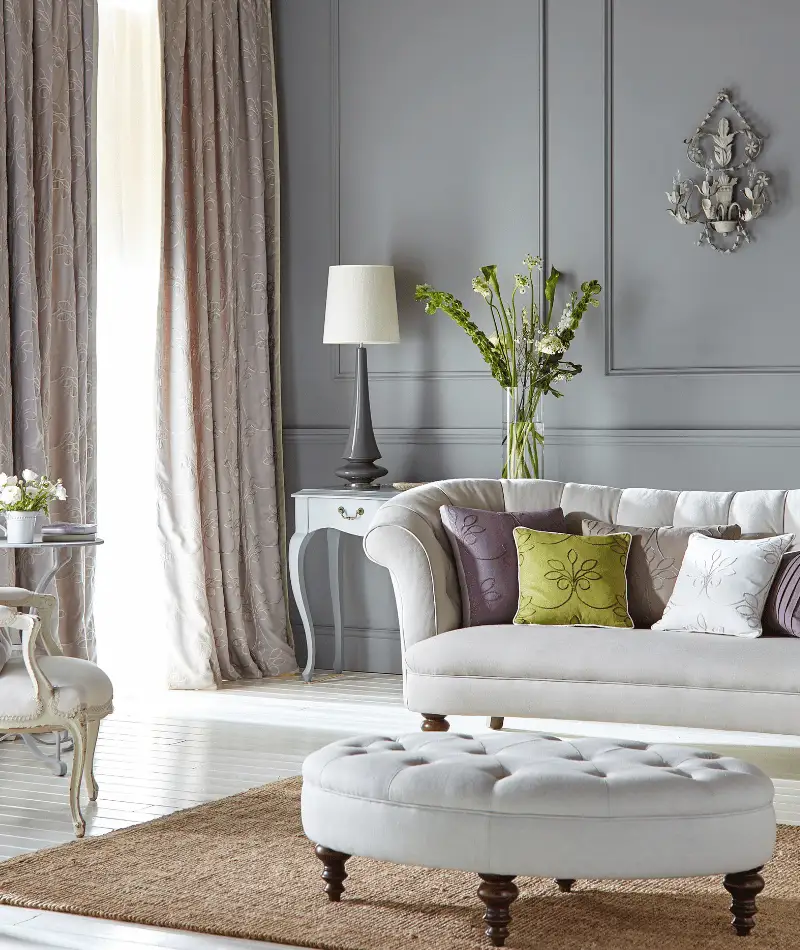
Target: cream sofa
(589, 673)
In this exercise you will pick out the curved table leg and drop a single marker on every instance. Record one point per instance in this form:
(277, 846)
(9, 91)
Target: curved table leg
(335, 574)
(297, 553)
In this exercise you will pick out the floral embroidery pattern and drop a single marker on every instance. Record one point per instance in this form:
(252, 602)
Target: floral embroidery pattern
(567, 579)
(655, 559)
(723, 585)
(47, 282)
(707, 575)
(486, 558)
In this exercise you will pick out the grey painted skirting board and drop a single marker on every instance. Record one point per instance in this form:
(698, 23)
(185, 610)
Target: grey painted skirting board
(749, 438)
(374, 650)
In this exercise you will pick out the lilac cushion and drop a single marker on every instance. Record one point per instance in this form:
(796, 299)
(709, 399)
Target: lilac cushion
(782, 610)
(486, 557)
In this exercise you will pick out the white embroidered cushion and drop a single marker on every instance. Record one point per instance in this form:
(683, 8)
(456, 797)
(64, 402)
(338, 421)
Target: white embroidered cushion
(722, 586)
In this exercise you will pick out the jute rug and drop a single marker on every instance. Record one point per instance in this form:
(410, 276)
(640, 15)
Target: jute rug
(242, 867)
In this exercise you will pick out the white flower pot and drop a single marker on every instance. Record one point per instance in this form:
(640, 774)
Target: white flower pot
(21, 526)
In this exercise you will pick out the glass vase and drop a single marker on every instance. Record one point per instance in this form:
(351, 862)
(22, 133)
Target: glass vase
(524, 435)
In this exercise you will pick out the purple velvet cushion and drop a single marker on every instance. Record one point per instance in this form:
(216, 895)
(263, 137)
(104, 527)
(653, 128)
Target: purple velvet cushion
(782, 610)
(486, 557)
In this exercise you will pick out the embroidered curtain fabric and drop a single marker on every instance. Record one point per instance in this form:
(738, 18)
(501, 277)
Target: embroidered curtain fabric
(219, 470)
(47, 371)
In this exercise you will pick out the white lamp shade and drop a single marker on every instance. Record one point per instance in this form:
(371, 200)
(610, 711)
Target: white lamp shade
(362, 305)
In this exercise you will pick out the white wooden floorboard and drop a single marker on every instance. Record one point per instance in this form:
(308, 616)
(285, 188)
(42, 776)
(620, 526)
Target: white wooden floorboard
(160, 753)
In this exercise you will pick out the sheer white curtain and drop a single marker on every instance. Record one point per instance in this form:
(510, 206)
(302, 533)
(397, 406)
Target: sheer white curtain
(129, 598)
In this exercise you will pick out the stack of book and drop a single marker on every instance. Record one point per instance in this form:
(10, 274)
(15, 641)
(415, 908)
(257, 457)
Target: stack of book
(63, 531)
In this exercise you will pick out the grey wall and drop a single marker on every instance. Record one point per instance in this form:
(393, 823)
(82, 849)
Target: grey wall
(411, 135)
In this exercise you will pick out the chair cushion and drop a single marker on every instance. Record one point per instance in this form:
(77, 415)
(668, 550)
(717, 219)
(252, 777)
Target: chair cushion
(611, 655)
(536, 804)
(77, 683)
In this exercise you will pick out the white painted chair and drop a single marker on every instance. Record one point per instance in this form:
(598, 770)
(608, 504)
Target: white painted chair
(52, 692)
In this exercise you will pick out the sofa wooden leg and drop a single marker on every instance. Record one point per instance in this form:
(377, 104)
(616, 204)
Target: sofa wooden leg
(565, 884)
(498, 892)
(744, 888)
(333, 872)
(496, 723)
(433, 722)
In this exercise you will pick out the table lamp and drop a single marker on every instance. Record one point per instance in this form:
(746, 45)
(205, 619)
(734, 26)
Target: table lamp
(361, 308)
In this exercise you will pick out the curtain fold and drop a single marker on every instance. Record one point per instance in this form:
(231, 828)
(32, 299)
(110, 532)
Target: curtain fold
(219, 478)
(47, 279)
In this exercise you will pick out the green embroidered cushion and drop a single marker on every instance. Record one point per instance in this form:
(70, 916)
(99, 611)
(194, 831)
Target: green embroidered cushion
(570, 579)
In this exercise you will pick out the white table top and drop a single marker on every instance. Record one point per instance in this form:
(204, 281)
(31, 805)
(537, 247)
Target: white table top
(384, 492)
(88, 543)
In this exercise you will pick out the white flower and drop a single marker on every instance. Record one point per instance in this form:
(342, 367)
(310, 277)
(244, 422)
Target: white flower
(31, 491)
(60, 492)
(566, 318)
(550, 344)
(29, 475)
(11, 480)
(10, 495)
(3, 479)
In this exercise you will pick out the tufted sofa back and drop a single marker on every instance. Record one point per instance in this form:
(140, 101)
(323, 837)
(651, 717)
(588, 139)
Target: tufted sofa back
(767, 511)
(428, 566)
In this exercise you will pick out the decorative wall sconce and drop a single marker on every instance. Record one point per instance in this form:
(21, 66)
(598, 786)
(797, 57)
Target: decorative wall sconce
(733, 191)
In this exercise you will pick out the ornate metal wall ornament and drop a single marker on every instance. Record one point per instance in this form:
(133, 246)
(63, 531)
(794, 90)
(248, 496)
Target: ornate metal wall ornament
(734, 191)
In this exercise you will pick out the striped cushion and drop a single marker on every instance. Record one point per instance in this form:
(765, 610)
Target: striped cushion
(782, 610)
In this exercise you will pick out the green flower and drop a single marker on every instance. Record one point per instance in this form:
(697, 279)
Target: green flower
(480, 286)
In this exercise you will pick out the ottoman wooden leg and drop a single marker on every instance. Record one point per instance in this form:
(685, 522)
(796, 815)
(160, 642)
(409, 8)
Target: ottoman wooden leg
(433, 722)
(565, 884)
(496, 722)
(744, 888)
(333, 872)
(498, 892)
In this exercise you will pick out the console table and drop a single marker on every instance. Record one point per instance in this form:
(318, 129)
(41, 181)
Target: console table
(336, 511)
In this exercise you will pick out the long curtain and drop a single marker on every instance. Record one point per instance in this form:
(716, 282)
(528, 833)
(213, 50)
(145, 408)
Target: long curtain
(219, 484)
(47, 366)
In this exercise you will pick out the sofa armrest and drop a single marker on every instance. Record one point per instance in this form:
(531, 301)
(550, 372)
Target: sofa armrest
(422, 570)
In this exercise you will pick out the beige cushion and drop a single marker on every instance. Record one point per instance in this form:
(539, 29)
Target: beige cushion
(654, 561)
(77, 683)
(611, 655)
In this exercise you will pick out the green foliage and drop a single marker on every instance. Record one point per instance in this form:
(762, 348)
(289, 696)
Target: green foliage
(523, 351)
(492, 353)
(525, 354)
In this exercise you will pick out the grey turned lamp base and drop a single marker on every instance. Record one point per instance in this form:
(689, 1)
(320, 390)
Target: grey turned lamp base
(361, 452)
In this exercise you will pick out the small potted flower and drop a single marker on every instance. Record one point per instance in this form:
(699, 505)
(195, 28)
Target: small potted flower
(22, 499)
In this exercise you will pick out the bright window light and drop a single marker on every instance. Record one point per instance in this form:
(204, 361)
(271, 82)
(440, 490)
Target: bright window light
(128, 599)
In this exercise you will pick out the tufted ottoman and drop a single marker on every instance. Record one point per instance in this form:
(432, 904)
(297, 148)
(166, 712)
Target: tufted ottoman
(533, 804)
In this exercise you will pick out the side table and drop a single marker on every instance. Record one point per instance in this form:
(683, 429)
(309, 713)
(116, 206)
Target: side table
(336, 511)
(63, 555)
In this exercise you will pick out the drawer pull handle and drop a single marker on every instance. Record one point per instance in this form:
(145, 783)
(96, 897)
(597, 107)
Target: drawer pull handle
(344, 514)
